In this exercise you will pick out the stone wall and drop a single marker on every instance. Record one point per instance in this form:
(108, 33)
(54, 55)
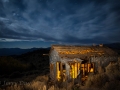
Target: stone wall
(103, 61)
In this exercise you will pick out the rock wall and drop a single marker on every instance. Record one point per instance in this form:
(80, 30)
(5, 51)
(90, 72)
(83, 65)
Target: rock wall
(103, 61)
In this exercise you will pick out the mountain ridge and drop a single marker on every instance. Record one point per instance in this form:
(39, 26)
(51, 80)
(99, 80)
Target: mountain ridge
(16, 51)
(19, 51)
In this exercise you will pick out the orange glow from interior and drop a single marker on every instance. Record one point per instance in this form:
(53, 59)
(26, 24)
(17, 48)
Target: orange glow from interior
(91, 70)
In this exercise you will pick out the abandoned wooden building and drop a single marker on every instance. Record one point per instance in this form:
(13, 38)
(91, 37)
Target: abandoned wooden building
(67, 62)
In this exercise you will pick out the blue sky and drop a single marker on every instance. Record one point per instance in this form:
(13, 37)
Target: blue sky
(40, 23)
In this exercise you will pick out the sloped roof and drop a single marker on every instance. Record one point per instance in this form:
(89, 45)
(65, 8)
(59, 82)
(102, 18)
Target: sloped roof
(67, 51)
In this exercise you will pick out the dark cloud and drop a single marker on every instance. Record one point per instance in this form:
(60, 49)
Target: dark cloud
(64, 21)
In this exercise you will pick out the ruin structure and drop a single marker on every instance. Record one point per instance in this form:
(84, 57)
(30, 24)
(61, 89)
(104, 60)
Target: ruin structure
(68, 62)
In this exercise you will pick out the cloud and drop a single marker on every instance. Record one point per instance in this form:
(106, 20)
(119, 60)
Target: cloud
(63, 21)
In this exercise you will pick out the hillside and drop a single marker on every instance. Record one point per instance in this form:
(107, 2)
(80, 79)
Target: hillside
(22, 66)
(36, 58)
(16, 51)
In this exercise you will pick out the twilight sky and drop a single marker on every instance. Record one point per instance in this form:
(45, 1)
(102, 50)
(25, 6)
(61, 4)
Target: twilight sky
(40, 23)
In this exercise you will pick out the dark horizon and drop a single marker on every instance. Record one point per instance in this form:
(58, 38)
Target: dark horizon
(115, 44)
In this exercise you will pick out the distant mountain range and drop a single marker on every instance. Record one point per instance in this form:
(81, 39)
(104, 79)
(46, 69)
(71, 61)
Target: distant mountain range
(18, 51)
(113, 45)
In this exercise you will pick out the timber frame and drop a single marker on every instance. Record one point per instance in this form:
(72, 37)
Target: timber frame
(76, 62)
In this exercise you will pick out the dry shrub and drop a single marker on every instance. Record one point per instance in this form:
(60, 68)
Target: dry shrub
(111, 68)
(61, 86)
(52, 88)
(101, 69)
(75, 87)
(70, 85)
(42, 78)
(113, 72)
(56, 88)
(112, 85)
(109, 80)
(97, 80)
(38, 84)
(15, 87)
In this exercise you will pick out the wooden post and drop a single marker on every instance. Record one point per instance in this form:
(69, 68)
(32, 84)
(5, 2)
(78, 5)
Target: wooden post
(83, 69)
(93, 67)
(72, 70)
(73, 73)
(66, 77)
(75, 70)
(80, 73)
(57, 69)
(61, 71)
(78, 67)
